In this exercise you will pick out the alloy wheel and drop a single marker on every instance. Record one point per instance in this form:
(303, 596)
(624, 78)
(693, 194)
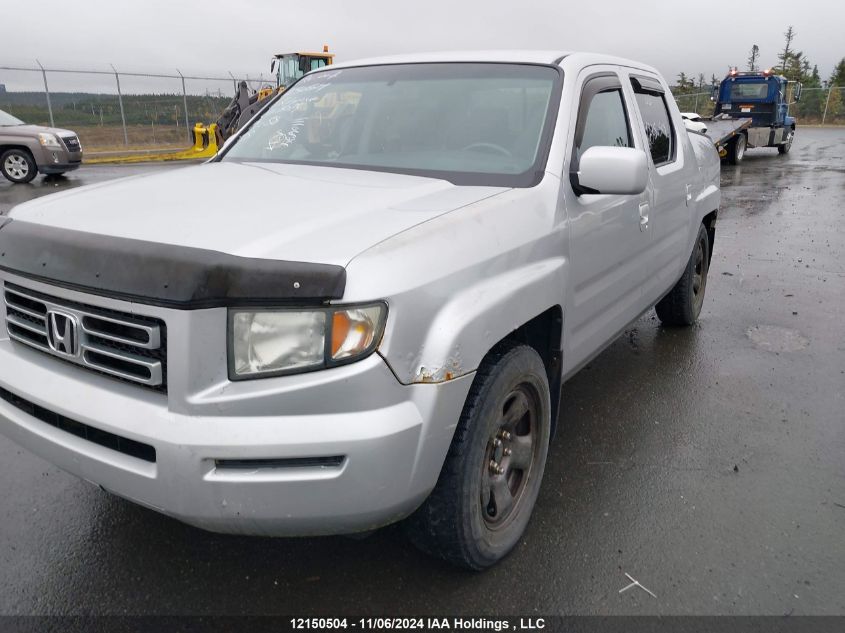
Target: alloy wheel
(16, 166)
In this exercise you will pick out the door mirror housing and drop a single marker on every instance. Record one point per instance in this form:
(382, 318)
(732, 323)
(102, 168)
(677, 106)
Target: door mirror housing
(612, 170)
(796, 92)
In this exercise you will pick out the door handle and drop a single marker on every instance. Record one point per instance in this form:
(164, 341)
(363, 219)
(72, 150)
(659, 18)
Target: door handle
(643, 216)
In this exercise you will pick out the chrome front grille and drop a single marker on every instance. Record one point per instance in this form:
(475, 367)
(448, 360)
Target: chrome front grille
(72, 143)
(121, 345)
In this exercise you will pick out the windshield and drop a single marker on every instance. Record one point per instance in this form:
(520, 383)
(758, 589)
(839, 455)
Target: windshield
(290, 69)
(467, 123)
(8, 119)
(746, 90)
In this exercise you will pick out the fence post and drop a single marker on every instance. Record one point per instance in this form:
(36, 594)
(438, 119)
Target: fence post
(120, 101)
(827, 103)
(696, 103)
(185, 103)
(47, 92)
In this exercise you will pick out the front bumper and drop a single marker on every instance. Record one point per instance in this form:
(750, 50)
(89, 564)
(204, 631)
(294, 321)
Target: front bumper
(392, 438)
(57, 161)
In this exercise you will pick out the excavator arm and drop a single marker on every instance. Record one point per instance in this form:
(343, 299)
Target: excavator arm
(240, 110)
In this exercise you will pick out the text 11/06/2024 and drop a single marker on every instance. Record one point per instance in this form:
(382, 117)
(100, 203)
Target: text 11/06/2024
(420, 624)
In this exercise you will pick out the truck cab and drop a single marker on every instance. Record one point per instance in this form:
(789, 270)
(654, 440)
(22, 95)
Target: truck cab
(289, 67)
(763, 97)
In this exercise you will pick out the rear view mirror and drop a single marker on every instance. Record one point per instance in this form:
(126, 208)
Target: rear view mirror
(613, 170)
(272, 65)
(796, 93)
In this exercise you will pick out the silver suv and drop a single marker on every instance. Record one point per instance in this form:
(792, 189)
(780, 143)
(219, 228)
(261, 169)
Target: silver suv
(27, 149)
(372, 319)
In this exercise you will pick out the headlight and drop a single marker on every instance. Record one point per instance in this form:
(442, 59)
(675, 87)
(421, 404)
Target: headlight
(274, 342)
(49, 140)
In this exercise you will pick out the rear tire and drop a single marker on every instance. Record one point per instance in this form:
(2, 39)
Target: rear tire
(736, 149)
(18, 165)
(683, 303)
(490, 480)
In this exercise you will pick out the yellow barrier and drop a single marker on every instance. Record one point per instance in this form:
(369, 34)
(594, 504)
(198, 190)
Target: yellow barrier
(205, 146)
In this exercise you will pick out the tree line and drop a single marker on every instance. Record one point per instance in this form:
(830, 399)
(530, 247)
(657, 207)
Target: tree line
(793, 64)
(80, 109)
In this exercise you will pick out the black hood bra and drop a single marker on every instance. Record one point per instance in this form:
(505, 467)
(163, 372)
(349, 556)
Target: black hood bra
(166, 275)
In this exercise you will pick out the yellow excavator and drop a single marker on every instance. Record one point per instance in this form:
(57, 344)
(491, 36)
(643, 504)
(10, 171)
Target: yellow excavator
(287, 68)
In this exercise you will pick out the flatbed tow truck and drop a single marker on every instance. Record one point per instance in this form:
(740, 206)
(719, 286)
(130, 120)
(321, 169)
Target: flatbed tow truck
(752, 110)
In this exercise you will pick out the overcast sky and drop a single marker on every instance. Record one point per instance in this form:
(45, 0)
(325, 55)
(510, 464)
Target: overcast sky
(213, 37)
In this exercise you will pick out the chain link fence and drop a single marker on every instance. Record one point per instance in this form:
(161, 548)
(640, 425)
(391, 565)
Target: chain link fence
(114, 110)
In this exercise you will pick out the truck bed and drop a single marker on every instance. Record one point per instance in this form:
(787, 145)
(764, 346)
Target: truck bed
(722, 129)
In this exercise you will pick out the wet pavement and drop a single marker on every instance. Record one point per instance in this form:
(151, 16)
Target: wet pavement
(708, 463)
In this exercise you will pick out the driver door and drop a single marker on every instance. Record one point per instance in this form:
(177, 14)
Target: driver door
(609, 234)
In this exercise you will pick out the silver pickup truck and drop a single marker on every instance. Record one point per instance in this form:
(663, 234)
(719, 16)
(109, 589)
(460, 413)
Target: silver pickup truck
(372, 319)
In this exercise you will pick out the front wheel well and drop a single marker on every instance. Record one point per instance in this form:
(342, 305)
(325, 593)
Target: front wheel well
(6, 147)
(543, 333)
(709, 222)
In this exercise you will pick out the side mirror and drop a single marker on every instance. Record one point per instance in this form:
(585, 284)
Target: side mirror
(613, 170)
(796, 93)
(714, 92)
(272, 65)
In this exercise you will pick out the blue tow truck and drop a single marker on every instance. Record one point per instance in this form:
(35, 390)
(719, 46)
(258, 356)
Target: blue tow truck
(752, 110)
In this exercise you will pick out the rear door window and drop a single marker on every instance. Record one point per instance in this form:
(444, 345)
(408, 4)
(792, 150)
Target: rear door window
(657, 122)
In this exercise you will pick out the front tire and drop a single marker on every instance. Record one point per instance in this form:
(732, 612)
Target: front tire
(736, 150)
(18, 165)
(784, 147)
(683, 303)
(490, 480)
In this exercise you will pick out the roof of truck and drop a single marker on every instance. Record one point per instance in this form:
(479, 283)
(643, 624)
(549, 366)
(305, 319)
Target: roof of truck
(516, 56)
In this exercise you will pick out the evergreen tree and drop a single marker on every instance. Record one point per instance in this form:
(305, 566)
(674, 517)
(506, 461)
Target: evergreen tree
(813, 98)
(753, 57)
(837, 78)
(834, 104)
(794, 68)
(787, 51)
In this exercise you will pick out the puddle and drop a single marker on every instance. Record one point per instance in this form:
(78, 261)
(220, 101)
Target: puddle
(773, 338)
